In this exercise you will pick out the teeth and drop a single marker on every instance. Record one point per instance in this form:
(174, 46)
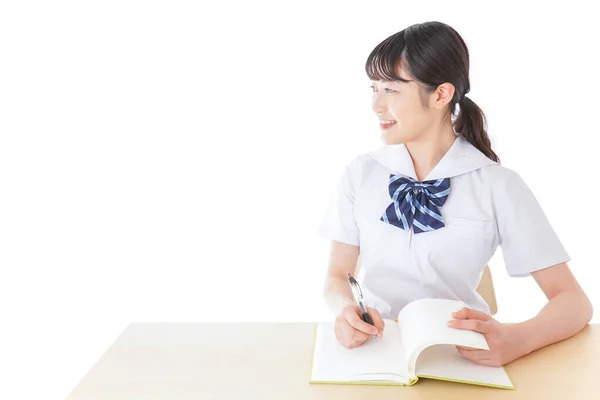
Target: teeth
(387, 122)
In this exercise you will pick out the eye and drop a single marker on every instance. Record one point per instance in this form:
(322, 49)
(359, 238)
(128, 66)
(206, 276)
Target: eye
(387, 90)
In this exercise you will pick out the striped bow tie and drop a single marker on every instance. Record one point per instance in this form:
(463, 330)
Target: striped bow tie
(416, 203)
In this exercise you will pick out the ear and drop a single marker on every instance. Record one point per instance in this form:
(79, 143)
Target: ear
(443, 95)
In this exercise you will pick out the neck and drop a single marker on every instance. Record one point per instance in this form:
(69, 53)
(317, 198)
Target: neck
(428, 149)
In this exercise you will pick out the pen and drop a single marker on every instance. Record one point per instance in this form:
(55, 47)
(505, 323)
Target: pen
(358, 297)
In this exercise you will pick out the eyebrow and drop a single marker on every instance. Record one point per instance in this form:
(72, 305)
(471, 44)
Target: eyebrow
(387, 81)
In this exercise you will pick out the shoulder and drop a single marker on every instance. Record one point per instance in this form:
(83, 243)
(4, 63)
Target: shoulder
(501, 177)
(508, 189)
(361, 160)
(359, 164)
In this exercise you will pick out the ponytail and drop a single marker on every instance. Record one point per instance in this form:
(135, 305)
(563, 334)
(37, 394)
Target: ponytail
(471, 124)
(433, 53)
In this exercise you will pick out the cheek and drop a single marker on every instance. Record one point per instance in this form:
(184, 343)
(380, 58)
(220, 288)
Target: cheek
(403, 113)
(411, 119)
(405, 123)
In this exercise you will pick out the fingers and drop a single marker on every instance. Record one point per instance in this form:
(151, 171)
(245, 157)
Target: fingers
(470, 319)
(377, 320)
(347, 335)
(351, 330)
(481, 357)
(354, 337)
(471, 324)
(466, 347)
(473, 354)
(469, 313)
(353, 318)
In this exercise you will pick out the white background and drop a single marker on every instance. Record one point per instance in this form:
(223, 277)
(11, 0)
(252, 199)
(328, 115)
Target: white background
(170, 161)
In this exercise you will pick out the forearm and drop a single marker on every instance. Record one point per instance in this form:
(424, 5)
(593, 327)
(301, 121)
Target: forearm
(562, 317)
(337, 294)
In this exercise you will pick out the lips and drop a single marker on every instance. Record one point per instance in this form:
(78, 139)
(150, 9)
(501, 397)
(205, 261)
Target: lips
(387, 125)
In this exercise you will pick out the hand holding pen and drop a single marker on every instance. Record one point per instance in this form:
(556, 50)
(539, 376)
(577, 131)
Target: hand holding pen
(356, 323)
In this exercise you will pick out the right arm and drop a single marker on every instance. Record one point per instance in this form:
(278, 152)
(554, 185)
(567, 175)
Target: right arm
(340, 226)
(350, 329)
(343, 259)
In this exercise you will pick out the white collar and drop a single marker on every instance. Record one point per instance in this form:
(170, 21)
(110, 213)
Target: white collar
(462, 157)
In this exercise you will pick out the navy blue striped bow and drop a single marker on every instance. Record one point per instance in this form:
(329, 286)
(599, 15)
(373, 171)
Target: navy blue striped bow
(416, 203)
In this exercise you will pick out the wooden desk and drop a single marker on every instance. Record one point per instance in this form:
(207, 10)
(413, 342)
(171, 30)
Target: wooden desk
(272, 361)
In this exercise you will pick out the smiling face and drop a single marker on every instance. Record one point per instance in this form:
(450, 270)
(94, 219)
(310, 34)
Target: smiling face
(416, 111)
(401, 101)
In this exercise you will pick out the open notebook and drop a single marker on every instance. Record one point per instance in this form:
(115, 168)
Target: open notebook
(418, 345)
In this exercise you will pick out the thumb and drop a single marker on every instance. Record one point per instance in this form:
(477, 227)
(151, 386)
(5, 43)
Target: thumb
(469, 313)
(377, 320)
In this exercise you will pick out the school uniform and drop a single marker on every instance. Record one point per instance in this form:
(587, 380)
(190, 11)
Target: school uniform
(434, 238)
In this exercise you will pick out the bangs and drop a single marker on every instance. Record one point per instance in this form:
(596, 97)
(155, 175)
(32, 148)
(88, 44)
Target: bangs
(384, 60)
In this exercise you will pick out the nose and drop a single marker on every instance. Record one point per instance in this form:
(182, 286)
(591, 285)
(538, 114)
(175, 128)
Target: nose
(378, 104)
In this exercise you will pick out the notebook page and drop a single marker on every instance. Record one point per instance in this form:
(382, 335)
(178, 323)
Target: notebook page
(444, 361)
(375, 360)
(424, 323)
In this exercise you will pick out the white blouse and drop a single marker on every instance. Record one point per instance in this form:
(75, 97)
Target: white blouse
(488, 205)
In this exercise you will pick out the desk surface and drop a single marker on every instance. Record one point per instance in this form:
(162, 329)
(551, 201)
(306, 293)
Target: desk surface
(272, 361)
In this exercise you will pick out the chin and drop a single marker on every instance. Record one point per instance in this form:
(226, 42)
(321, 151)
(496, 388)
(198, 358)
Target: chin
(392, 138)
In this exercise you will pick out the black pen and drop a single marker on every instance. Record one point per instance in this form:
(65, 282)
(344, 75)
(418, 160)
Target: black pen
(358, 297)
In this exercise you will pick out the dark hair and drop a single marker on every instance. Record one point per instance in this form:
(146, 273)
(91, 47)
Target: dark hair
(434, 53)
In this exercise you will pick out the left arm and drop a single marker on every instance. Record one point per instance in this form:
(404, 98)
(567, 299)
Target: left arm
(567, 312)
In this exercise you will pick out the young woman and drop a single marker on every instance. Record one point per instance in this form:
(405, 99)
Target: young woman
(428, 209)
